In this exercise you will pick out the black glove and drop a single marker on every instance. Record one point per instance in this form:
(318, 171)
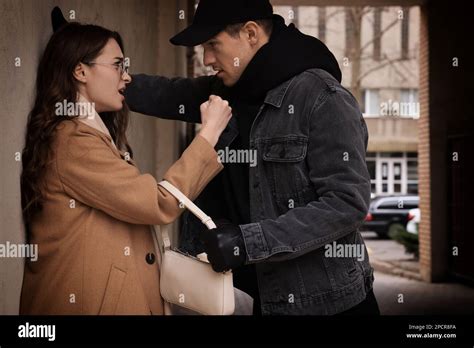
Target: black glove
(224, 246)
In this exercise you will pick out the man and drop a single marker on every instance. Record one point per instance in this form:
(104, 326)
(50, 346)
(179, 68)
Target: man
(290, 215)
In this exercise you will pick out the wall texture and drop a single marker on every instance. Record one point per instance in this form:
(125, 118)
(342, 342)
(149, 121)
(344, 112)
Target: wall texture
(449, 104)
(145, 26)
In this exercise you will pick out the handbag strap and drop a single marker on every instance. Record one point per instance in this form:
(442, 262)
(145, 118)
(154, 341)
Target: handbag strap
(186, 202)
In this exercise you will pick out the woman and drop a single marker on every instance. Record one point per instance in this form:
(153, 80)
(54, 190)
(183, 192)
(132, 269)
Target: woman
(84, 201)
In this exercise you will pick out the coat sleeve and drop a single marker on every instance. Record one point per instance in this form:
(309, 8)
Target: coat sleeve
(339, 176)
(176, 99)
(93, 174)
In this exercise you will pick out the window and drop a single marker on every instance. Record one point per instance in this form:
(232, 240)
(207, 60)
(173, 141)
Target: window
(371, 161)
(389, 204)
(370, 102)
(395, 172)
(410, 204)
(393, 154)
(412, 175)
(399, 203)
(409, 105)
(371, 168)
(412, 170)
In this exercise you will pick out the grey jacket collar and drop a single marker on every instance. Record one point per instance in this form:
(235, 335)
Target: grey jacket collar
(275, 96)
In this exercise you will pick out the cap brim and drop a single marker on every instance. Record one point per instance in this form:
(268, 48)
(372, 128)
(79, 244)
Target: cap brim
(196, 34)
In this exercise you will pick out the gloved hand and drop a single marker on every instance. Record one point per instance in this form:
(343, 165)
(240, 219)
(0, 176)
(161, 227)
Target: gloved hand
(224, 246)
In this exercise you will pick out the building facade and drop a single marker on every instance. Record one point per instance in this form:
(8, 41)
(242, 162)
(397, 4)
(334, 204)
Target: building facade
(388, 77)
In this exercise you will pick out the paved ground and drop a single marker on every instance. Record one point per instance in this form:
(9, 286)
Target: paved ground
(389, 257)
(389, 260)
(420, 298)
(384, 249)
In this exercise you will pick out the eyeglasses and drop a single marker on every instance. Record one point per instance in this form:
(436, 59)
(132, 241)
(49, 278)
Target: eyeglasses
(118, 66)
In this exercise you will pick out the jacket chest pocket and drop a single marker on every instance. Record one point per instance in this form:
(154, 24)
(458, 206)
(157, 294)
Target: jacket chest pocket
(285, 150)
(285, 168)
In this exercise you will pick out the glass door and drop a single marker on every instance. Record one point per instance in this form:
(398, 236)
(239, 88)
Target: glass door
(392, 174)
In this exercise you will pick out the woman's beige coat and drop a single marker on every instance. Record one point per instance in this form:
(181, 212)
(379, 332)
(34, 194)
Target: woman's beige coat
(96, 251)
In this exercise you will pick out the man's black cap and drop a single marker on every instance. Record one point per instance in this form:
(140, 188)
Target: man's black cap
(212, 16)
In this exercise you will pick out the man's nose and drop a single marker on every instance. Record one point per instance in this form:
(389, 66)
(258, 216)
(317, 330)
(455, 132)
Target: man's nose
(209, 58)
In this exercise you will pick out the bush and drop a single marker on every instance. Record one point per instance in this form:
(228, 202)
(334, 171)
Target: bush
(410, 241)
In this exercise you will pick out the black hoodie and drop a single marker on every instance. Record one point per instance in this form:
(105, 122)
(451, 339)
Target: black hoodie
(288, 53)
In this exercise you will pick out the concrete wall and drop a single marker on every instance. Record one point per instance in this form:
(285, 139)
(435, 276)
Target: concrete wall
(145, 26)
(392, 134)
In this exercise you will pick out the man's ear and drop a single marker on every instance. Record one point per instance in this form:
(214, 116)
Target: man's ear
(252, 32)
(80, 73)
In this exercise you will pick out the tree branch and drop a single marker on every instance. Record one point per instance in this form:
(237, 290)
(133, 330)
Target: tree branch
(336, 12)
(378, 67)
(366, 10)
(379, 35)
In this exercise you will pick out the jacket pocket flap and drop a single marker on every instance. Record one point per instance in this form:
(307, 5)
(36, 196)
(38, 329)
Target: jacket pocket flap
(288, 149)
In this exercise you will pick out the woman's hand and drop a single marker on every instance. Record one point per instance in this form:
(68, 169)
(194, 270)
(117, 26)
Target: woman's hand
(215, 115)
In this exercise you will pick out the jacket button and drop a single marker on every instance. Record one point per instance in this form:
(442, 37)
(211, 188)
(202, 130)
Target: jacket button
(150, 258)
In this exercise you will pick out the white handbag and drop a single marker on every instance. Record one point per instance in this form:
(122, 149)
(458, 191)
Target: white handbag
(190, 282)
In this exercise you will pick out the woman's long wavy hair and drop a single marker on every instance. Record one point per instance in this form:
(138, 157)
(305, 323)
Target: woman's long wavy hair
(72, 44)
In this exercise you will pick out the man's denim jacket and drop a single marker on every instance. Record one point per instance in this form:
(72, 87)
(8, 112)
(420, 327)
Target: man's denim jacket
(309, 191)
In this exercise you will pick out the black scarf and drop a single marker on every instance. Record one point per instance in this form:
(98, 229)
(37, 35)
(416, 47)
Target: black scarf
(288, 53)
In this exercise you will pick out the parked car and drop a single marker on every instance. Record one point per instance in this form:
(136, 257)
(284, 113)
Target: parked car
(389, 211)
(413, 220)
